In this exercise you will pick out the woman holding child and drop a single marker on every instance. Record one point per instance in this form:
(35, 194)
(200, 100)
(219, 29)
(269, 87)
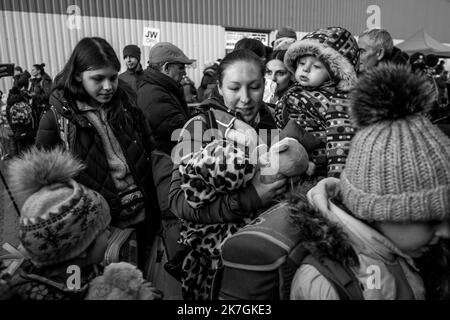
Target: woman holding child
(211, 215)
(323, 64)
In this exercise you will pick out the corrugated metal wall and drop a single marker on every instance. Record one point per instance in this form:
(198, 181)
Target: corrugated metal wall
(29, 38)
(401, 17)
(36, 30)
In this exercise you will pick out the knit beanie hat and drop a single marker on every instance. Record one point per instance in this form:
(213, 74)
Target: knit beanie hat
(335, 47)
(398, 167)
(286, 32)
(132, 51)
(60, 218)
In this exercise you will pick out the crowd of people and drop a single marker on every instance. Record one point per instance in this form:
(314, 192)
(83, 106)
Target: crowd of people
(346, 137)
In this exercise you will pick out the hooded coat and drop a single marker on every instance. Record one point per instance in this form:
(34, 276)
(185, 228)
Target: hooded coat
(384, 272)
(324, 110)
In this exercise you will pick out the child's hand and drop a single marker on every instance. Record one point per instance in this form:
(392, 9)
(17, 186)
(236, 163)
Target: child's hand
(325, 190)
(268, 192)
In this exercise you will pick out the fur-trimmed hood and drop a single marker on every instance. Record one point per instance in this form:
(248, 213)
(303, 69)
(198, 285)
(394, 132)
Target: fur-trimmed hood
(340, 68)
(357, 245)
(319, 233)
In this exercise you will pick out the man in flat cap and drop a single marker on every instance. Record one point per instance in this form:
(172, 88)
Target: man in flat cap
(161, 96)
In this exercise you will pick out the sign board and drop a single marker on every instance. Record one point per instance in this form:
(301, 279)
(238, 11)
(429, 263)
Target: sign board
(151, 37)
(234, 36)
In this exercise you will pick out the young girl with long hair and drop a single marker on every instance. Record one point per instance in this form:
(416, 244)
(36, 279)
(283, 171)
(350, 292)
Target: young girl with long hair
(94, 115)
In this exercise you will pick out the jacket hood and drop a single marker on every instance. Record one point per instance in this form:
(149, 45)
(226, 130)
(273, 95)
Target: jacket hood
(342, 71)
(363, 238)
(371, 248)
(319, 233)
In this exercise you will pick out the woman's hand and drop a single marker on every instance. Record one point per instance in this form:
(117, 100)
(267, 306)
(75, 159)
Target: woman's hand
(268, 192)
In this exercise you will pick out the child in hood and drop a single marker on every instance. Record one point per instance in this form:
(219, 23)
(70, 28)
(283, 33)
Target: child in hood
(392, 202)
(323, 63)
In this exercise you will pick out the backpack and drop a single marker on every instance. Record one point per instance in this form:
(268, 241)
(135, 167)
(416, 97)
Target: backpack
(21, 113)
(261, 259)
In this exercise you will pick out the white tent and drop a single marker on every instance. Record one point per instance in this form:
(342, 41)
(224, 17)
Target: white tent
(424, 43)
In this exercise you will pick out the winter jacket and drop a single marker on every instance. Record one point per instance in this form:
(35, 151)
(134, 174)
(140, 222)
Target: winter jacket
(31, 283)
(163, 103)
(324, 112)
(134, 138)
(384, 272)
(225, 208)
(133, 77)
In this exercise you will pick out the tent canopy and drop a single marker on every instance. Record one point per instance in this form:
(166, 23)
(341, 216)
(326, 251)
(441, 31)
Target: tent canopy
(424, 43)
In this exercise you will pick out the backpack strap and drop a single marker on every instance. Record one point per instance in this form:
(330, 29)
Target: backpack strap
(293, 262)
(66, 129)
(340, 277)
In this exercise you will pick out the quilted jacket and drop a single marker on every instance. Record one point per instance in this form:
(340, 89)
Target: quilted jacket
(134, 137)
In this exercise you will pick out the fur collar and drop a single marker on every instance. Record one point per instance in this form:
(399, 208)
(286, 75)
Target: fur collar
(319, 233)
(342, 70)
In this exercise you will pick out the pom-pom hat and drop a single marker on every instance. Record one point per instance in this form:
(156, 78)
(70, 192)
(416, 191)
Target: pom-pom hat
(60, 218)
(398, 167)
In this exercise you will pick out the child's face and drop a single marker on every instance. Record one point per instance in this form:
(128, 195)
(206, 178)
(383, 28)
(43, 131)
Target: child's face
(414, 239)
(100, 84)
(311, 72)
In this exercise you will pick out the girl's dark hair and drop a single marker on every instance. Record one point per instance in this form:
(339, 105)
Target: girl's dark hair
(253, 45)
(92, 54)
(277, 55)
(40, 67)
(18, 68)
(23, 82)
(239, 55)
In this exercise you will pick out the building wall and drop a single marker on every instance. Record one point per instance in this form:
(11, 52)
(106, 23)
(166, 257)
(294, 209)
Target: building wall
(42, 37)
(37, 30)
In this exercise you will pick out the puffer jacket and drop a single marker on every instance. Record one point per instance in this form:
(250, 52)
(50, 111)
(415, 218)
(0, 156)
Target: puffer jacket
(163, 103)
(373, 255)
(136, 142)
(324, 112)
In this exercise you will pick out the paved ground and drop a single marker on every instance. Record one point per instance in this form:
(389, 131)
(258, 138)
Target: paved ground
(8, 214)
